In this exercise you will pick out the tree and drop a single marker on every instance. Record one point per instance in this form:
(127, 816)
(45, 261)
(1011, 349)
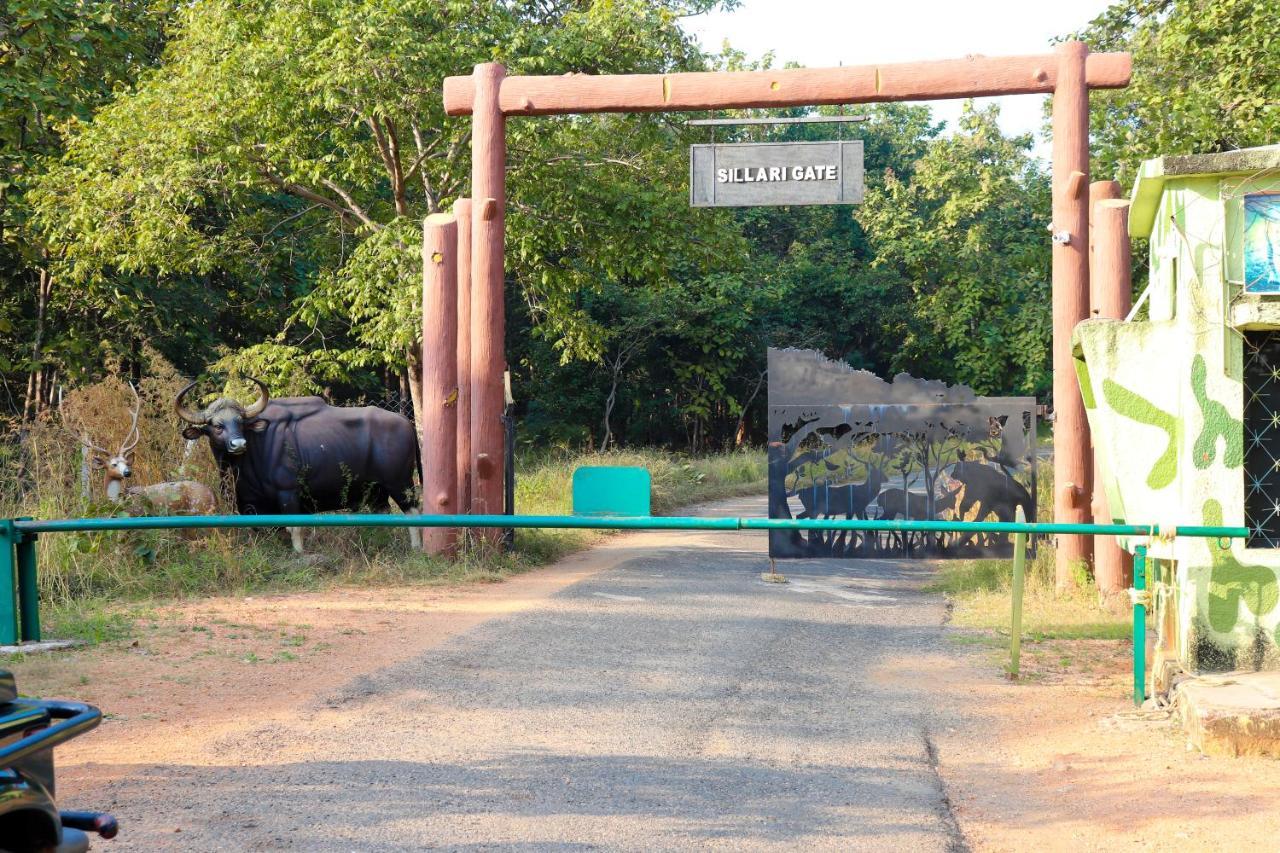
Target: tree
(301, 142)
(59, 61)
(1206, 78)
(967, 231)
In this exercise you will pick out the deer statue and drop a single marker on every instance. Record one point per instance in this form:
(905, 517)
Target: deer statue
(179, 497)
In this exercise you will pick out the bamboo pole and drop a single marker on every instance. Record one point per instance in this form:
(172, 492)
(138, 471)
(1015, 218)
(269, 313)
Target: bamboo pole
(462, 215)
(970, 77)
(439, 378)
(1113, 294)
(1015, 599)
(488, 320)
(1072, 470)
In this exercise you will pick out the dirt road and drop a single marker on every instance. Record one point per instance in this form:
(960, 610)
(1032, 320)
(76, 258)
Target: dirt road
(653, 693)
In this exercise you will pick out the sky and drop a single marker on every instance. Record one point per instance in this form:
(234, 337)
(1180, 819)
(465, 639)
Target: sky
(823, 33)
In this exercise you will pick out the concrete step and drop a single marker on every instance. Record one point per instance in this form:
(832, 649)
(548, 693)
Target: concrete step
(1232, 713)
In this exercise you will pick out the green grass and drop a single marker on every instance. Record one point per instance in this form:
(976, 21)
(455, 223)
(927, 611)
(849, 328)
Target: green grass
(91, 620)
(980, 591)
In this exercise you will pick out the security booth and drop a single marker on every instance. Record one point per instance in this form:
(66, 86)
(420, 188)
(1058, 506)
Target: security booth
(1183, 398)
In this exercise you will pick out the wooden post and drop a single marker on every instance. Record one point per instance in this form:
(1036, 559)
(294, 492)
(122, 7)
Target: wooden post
(489, 96)
(462, 214)
(439, 378)
(1113, 295)
(1098, 191)
(488, 319)
(1072, 469)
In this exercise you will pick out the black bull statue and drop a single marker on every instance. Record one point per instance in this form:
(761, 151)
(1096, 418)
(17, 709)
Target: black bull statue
(301, 455)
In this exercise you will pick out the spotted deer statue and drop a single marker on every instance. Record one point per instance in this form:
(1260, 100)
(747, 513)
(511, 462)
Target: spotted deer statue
(178, 497)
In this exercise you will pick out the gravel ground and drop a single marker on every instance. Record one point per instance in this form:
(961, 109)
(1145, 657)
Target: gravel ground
(672, 701)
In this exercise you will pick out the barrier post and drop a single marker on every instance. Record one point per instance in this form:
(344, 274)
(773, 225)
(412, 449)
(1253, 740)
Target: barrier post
(28, 588)
(1139, 624)
(1019, 578)
(8, 593)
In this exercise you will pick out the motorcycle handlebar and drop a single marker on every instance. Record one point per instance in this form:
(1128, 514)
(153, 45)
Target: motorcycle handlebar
(103, 824)
(77, 718)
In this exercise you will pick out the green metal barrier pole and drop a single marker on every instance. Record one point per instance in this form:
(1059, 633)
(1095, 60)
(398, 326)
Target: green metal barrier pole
(8, 598)
(1139, 625)
(186, 522)
(28, 588)
(1019, 578)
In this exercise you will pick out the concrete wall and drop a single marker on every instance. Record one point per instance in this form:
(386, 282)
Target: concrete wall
(1165, 399)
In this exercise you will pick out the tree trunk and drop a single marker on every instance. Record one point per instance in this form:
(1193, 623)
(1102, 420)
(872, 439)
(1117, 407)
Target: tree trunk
(740, 433)
(32, 405)
(608, 410)
(413, 371)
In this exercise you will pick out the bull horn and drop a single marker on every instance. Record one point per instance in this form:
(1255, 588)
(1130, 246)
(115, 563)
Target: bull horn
(185, 413)
(264, 397)
(133, 436)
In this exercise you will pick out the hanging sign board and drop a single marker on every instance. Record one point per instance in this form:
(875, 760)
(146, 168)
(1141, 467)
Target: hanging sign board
(775, 173)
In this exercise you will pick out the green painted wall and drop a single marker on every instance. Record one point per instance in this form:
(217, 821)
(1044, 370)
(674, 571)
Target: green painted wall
(1165, 400)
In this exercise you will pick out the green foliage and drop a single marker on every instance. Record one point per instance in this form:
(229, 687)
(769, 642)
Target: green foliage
(60, 60)
(300, 143)
(967, 233)
(1206, 78)
(240, 185)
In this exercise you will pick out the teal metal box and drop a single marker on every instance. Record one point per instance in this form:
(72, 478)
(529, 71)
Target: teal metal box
(611, 490)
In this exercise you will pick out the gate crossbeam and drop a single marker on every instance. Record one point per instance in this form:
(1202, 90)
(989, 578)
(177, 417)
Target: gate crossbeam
(971, 77)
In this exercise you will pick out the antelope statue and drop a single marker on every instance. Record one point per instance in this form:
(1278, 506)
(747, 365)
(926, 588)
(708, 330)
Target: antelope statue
(179, 497)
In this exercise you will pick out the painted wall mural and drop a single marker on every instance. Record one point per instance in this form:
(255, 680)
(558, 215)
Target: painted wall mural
(845, 444)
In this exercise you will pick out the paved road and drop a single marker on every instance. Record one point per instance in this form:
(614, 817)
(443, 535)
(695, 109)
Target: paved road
(673, 701)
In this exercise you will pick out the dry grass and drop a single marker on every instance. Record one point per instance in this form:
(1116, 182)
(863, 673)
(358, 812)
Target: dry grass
(980, 592)
(1046, 614)
(87, 579)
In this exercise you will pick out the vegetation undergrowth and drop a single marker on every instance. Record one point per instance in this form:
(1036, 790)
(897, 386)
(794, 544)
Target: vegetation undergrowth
(90, 582)
(980, 592)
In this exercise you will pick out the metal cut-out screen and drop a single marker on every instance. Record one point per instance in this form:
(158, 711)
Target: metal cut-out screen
(844, 444)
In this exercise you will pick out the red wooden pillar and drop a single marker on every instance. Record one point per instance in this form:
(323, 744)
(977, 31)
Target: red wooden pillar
(439, 378)
(488, 320)
(462, 214)
(1098, 190)
(1072, 469)
(1113, 296)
